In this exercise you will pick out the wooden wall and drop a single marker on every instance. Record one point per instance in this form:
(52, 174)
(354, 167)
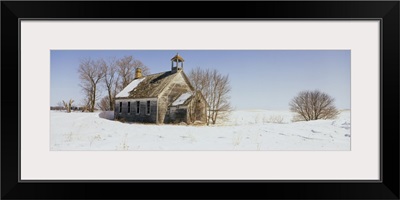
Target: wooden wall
(132, 116)
(160, 112)
(171, 93)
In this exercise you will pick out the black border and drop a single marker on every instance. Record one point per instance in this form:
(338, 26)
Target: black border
(386, 11)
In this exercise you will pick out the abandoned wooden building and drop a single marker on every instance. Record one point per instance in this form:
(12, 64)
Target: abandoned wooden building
(166, 97)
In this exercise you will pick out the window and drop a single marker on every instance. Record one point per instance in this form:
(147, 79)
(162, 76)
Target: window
(129, 107)
(148, 108)
(137, 107)
(120, 107)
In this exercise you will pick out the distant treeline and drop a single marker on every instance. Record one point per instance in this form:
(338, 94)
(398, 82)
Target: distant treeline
(74, 108)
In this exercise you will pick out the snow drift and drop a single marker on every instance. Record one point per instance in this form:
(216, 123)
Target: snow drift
(244, 130)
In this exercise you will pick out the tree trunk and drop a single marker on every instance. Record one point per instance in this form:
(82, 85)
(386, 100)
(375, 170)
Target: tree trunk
(93, 99)
(111, 100)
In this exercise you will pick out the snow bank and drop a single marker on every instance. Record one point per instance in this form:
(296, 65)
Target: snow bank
(244, 130)
(250, 117)
(107, 115)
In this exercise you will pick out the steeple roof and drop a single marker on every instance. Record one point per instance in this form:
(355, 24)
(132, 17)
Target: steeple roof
(177, 58)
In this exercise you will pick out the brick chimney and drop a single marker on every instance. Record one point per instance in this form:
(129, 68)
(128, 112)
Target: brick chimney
(138, 73)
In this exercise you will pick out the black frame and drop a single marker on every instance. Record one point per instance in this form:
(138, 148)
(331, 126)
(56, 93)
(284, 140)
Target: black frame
(386, 11)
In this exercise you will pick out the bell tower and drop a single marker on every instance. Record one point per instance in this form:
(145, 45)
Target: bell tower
(176, 63)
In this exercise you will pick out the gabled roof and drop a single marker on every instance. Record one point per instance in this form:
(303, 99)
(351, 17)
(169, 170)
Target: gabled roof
(182, 99)
(130, 87)
(149, 86)
(185, 98)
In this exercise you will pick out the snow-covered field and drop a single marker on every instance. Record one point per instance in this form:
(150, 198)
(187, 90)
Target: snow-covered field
(244, 130)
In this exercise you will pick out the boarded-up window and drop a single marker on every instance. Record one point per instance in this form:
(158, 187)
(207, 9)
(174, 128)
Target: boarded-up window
(137, 107)
(129, 107)
(148, 108)
(120, 107)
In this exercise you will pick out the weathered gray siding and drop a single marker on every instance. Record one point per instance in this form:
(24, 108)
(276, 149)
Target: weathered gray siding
(132, 116)
(197, 109)
(192, 110)
(176, 115)
(177, 86)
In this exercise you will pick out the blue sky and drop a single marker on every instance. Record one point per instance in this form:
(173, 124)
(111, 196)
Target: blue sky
(260, 79)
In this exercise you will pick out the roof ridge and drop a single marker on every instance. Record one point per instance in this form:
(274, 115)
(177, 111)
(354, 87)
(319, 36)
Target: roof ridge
(153, 85)
(156, 73)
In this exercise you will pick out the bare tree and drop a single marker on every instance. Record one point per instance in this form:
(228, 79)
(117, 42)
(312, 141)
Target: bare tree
(215, 88)
(126, 67)
(104, 104)
(219, 89)
(313, 105)
(110, 81)
(91, 73)
(68, 105)
(199, 81)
